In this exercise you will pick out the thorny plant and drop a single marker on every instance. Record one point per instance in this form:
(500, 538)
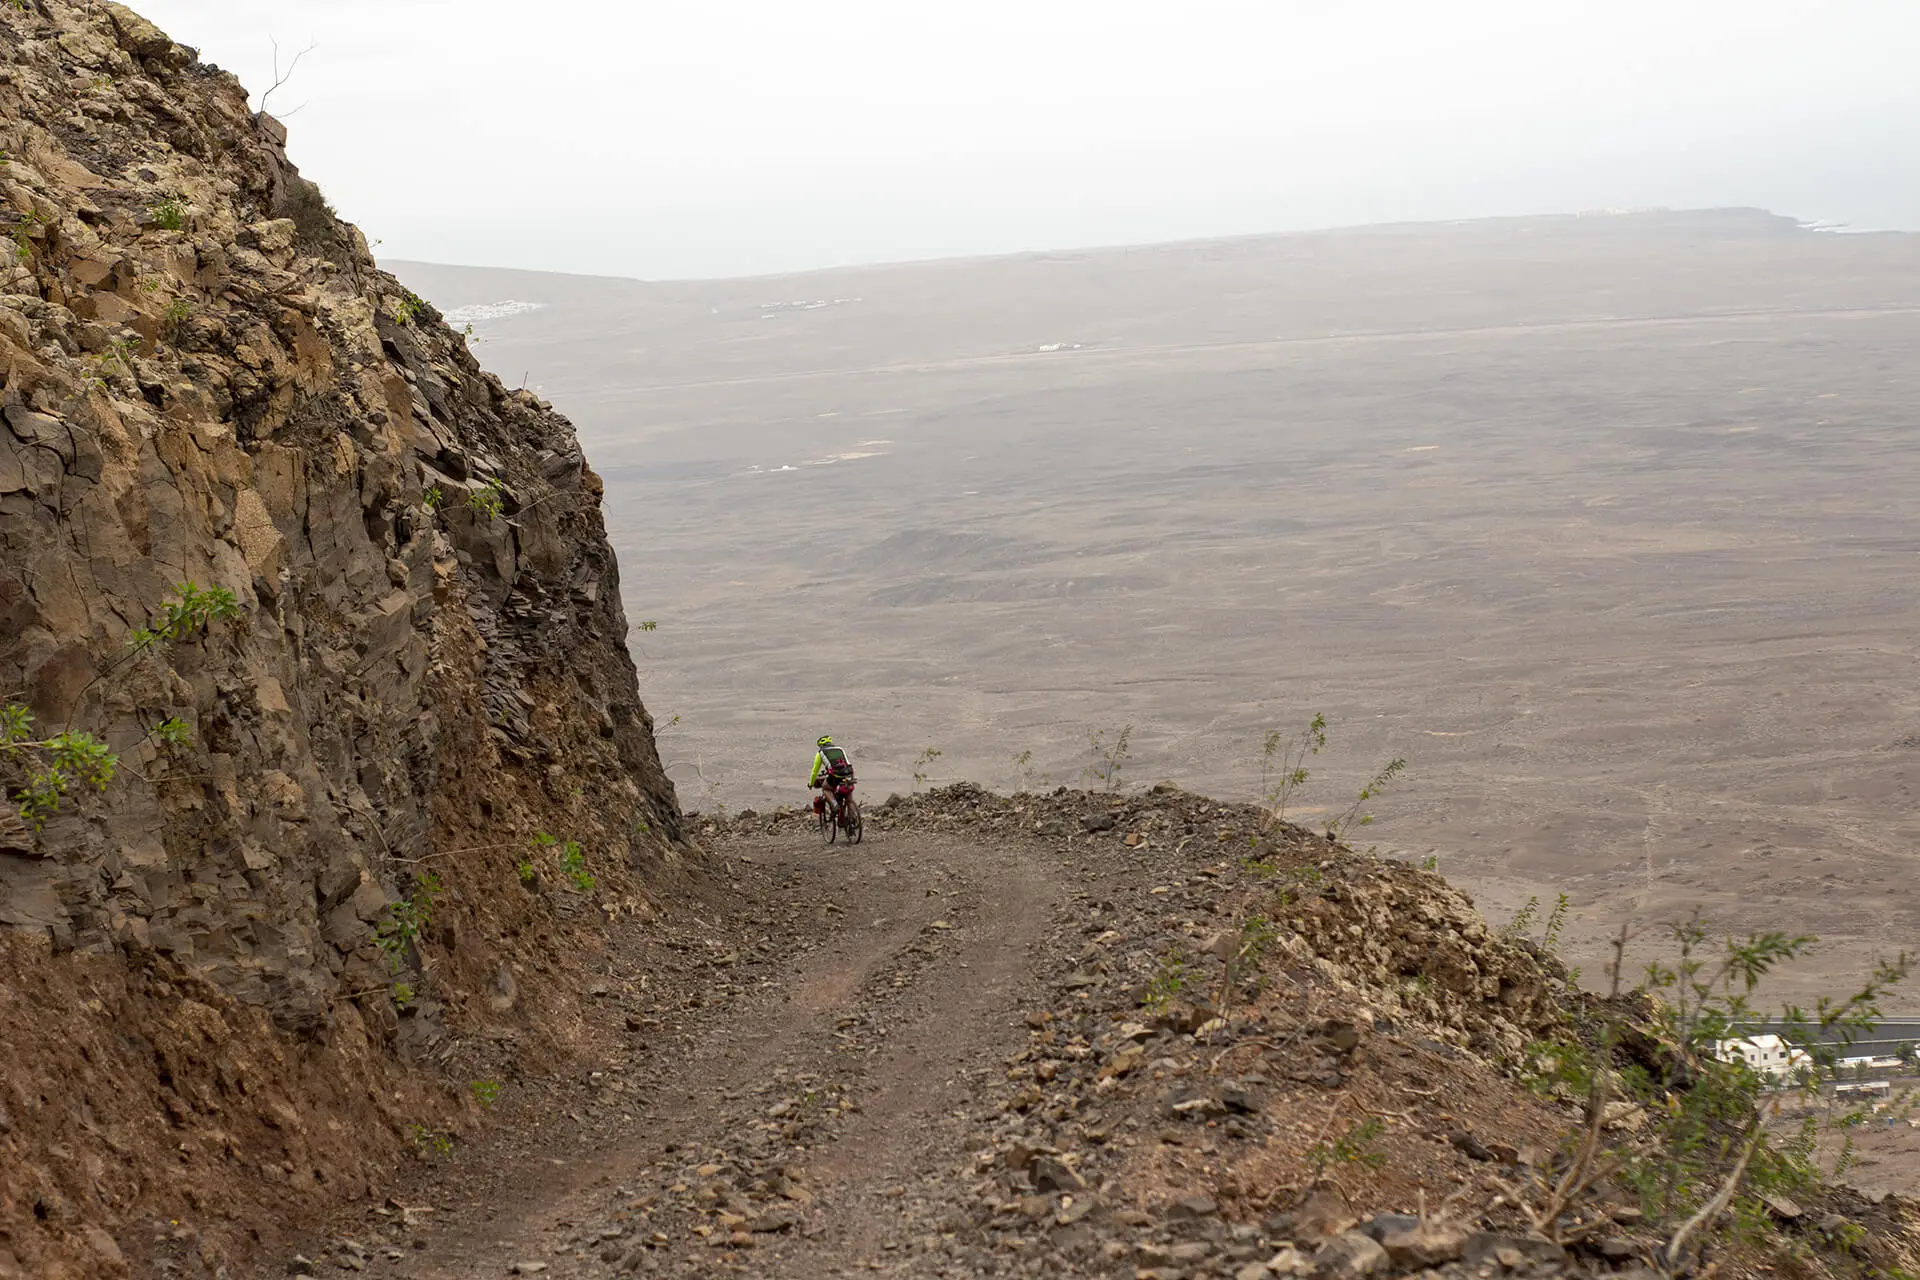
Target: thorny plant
(920, 764)
(280, 78)
(1283, 765)
(1375, 785)
(1109, 759)
(1705, 1152)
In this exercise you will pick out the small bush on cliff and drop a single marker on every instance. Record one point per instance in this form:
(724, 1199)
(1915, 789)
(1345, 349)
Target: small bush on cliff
(1341, 825)
(48, 770)
(408, 309)
(407, 919)
(190, 610)
(169, 215)
(572, 859)
(1283, 771)
(52, 767)
(178, 312)
(1354, 1147)
(490, 499)
(315, 225)
(1283, 764)
(1109, 759)
(1678, 1120)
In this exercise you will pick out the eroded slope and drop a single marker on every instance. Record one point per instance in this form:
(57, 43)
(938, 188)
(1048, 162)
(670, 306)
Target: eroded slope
(314, 863)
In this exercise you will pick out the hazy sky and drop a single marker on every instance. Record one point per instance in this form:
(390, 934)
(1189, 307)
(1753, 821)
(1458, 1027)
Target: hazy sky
(725, 137)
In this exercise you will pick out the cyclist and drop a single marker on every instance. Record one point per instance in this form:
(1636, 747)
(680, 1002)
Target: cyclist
(832, 773)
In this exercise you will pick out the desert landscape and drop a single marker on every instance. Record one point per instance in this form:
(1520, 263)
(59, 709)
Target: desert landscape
(407, 683)
(1603, 523)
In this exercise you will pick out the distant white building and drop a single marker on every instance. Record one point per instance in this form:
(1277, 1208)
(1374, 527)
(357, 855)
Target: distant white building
(1767, 1054)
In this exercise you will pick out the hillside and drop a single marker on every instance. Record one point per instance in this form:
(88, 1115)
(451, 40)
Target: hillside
(350, 923)
(342, 607)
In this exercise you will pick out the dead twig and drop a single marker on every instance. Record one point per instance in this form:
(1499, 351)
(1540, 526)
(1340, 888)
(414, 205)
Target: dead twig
(280, 78)
(1713, 1208)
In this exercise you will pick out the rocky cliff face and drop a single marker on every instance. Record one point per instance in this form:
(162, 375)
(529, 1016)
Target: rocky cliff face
(396, 654)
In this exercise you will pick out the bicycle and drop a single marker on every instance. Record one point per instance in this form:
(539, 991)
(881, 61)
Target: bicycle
(841, 816)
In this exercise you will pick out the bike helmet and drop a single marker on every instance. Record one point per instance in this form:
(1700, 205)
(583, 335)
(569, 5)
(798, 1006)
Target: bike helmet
(826, 740)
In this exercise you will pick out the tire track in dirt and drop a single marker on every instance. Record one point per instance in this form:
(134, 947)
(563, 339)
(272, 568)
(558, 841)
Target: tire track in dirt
(966, 1015)
(919, 959)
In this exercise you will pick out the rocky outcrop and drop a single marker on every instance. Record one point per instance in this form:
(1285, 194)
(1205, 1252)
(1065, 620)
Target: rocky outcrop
(415, 660)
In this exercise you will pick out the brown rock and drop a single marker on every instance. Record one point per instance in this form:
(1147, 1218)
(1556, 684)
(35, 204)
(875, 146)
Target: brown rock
(1349, 1256)
(1427, 1244)
(1050, 1174)
(1198, 1205)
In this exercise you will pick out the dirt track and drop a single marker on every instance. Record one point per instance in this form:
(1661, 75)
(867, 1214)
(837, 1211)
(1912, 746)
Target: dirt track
(908, 975)
(1081, 1034)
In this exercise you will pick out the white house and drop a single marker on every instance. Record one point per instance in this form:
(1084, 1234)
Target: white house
(1767, 1054)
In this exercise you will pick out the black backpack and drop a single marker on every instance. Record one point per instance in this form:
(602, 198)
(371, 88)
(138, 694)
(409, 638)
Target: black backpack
(839, 767)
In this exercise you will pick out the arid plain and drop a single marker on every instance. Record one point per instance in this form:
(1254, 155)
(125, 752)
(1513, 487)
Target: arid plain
(1609, 525)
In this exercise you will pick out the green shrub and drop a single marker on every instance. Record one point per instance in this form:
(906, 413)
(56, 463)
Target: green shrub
(315, 225)
(408, 309)
(48, 770)
(572, 859)
(1704, 1153)
(1283, 762)
(407, 919)
(490, 499)
(177, 313)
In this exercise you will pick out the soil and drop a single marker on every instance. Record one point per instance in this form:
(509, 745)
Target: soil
(996, 1039)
